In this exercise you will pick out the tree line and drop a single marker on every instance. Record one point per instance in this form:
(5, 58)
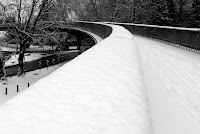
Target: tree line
(33, 21)
(32, 18)
(182, 13)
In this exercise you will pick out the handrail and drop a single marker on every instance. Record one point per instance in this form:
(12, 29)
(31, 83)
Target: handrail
(156, 26)
(186, 38)
(99, 29)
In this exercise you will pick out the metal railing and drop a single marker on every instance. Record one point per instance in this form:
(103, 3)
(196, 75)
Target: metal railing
(43, 62)
(99, 29)
(186, 38)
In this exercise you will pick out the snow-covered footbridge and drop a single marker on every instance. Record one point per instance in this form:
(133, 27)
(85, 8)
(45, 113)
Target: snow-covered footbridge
(125, 84)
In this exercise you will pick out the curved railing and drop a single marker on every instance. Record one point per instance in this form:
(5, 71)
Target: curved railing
(100, 91)
(53, 59)
(187, 38)
(97, 28)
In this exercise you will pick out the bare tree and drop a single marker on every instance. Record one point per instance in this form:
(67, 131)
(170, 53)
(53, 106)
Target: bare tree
(195, 17)
(29, 26)
(113, 10)
(104, 10)
(1, 65)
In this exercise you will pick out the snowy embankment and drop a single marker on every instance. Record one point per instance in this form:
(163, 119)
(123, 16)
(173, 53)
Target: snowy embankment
(30, 77)
(101, 91)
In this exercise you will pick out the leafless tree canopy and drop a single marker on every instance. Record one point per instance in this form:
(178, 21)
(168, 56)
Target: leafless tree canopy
(183, 13)
(31, 19)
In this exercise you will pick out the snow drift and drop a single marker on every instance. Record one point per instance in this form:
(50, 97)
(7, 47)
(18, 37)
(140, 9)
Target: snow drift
(101, 91)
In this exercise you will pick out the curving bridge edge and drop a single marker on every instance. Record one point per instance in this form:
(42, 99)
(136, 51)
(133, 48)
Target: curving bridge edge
(101, 91)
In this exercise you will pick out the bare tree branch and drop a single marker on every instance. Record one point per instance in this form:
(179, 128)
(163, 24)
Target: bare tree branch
(38, 15)
(19, 13)
(31, 13)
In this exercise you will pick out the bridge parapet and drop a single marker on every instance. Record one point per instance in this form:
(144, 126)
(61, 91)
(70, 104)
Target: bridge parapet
(187, 38)
(97, 28)
(100, 91)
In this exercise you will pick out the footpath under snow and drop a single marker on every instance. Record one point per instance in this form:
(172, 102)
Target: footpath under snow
(172, 79)
(100, 91)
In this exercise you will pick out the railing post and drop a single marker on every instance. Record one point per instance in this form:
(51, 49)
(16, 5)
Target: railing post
(40, 66)
(47, 62)
(6, 91)
(17, 88)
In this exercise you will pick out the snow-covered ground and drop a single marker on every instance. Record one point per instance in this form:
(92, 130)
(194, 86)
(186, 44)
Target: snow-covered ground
(29, 77)
(100, 91)
(172, 80)
(125, 84)
(31, 48)
(7, 49)
(13, 60)
(30, 57)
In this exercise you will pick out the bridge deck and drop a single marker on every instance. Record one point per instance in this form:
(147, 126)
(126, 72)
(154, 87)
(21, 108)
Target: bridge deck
(172, 79)
(105, 91)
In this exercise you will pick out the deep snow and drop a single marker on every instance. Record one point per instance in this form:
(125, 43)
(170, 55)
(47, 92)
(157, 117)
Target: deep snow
(172, 79)
(125, 84)
(29, 77)
(100, 91)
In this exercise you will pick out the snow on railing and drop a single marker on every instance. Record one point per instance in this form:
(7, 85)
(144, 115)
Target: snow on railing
(101, 91)
(97, 28)
(185, 38)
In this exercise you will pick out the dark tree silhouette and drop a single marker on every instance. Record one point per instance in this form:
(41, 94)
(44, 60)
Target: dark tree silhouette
(28, 27)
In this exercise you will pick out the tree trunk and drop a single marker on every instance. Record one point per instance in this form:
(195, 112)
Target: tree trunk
(79, 42)
(21, 61)
(2, 73)
(134, 13)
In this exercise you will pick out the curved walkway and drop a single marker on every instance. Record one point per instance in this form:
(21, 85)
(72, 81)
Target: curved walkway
(94, 93)
(123, 85)
(172, 79)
